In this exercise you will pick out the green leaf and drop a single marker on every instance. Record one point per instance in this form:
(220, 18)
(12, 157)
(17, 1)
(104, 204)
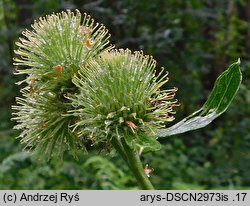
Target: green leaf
(224, 91)
(142, 143)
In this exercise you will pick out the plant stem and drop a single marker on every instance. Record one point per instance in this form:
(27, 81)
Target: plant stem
(135, 165)
(119, 148)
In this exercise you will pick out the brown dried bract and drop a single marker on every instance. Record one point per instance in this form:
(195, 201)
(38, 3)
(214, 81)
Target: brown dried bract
(88, 42)
(59, 69)
(148, 170)
(31, 89)
(31, 84)
(42, 124)
(131, 125)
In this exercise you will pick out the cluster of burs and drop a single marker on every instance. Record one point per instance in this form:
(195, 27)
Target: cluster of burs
(78, 88)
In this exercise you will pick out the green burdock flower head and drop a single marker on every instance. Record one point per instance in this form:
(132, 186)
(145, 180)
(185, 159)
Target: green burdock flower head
(49, 56)
(79, 89)
(120, 97)
(57, 46)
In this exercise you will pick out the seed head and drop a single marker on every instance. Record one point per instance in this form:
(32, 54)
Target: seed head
(54, 48)
(120, 94)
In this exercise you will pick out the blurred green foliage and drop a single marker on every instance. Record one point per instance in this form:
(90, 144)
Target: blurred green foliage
(195, 40)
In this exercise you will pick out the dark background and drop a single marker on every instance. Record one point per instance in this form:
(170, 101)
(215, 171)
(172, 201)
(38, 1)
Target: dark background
(195, 41)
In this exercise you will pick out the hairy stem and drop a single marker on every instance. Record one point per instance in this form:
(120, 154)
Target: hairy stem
(133, 160)
(119, 148)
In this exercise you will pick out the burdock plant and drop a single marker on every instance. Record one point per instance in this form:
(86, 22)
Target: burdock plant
(79, 89)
